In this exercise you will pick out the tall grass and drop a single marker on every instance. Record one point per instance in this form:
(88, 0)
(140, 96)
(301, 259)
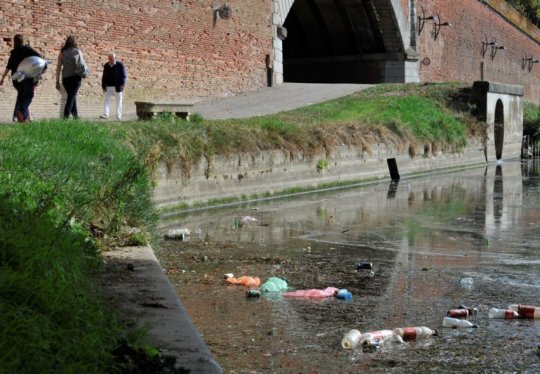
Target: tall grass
(58, 181)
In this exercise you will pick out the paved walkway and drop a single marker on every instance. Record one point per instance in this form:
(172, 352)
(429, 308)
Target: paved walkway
(275, 99)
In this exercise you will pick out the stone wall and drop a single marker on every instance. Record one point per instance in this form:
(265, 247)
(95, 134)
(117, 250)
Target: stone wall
(246, 175)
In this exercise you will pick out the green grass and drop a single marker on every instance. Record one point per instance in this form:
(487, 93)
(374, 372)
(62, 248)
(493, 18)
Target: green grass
(399, 114)
(60, 184)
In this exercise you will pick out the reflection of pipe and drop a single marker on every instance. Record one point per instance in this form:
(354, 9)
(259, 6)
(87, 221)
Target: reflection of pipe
(498, 191)
(392, 188)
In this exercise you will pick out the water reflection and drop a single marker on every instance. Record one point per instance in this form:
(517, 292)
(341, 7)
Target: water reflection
(422, 235)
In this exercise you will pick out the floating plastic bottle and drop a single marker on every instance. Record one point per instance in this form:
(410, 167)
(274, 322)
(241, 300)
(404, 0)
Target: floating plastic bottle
(375, 338)
(351, 339)
(457, 323)
(502, 313)
(472, 311)
(178, 234)
(458, 313)
(413, 333)
(344, 294)
(526, 311)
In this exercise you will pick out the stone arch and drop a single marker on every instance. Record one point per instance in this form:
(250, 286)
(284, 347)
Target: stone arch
(336, 41)
(498, 129)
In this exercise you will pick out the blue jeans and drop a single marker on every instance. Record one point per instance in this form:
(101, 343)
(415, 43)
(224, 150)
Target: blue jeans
(72, 85)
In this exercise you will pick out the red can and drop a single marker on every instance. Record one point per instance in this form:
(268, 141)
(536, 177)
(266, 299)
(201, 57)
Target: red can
(458, 313)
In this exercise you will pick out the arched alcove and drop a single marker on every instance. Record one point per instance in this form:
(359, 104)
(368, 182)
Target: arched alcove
(499, 129)
(332, 41)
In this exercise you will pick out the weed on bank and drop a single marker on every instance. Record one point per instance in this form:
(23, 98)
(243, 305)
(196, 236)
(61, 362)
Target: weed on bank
(65, 187)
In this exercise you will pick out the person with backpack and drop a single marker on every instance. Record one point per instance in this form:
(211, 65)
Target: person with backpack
(71, 64)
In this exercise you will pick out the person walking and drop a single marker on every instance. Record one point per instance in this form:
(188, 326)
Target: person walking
(113, 81)
(25, 88)
(70, 62)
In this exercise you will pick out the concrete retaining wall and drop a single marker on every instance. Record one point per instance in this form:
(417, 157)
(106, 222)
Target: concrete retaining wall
(247, 175)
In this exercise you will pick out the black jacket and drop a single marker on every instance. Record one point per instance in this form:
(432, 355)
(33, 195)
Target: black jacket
(19, 54)
(114, 76)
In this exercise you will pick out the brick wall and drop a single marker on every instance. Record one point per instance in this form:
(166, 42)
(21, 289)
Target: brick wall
(173, 50)
(456, 55)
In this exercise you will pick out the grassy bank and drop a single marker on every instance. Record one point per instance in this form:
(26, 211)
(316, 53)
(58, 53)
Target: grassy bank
(66, 188)
(403, 115)
(70, 189)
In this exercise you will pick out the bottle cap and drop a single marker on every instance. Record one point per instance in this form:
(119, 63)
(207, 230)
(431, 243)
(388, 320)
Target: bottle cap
(344, 294)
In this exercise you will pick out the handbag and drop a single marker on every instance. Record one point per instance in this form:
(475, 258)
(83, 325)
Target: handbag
(81, 69)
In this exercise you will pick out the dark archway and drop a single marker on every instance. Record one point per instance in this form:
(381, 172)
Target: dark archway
(499, 129)
(341, 41)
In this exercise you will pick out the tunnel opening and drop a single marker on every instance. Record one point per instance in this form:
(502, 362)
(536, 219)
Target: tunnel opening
(342, 41)
(499, 129)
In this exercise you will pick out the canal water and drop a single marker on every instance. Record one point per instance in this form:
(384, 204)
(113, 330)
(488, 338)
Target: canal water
(428, 238)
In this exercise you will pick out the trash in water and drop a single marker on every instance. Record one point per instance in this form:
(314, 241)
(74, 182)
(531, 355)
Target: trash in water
(178, 234)
(253, 293)
(526, 311)
(413, 333)
(244, 281)
(502, 313)
(344, 294)
(312, 293)
(351, 339)
(457, 323)
(466, 283)
(364, 265)
(472, 311)
(458, 313)
(374, 339)
(248, 219)
(274, 284)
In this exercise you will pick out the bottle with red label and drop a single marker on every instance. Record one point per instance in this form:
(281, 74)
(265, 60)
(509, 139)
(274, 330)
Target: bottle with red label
(472, 311)
(413, 333)
(458, 313)
(502, 313)
(526, 311)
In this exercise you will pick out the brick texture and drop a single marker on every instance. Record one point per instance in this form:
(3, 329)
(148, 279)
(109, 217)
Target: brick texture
(173, 50)
(456, 54)
(176, 51)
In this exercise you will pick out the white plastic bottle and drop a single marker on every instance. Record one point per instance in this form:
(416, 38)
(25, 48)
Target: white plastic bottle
(351, 339)
(526, 311)
(457, 323)
(374, 338)
(502, 313)
(413, 333)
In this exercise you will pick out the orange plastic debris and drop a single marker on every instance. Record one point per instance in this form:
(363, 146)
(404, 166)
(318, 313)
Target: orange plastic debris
(245, 281)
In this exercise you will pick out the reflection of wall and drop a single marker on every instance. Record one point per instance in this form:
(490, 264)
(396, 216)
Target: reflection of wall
(503, 199)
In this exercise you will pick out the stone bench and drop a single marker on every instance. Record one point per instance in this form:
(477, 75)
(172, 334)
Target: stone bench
(148, 110)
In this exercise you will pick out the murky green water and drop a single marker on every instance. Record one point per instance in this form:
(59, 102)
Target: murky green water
(423, 235)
